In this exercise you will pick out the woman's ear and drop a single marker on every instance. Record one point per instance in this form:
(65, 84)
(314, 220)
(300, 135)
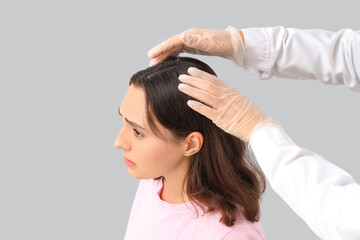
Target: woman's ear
(193, 143)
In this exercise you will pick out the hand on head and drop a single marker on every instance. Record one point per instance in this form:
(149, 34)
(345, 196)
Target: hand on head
(225, 106)
(228, 43)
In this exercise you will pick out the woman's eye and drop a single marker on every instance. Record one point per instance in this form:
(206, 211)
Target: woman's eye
(137, 133)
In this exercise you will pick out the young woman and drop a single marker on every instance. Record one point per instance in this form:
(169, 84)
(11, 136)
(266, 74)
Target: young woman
(196, 180)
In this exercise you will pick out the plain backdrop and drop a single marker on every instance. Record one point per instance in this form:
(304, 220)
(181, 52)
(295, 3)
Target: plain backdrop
(64, 70)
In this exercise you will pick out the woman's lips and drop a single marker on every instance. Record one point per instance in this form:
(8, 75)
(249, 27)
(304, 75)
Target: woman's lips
(129, 163)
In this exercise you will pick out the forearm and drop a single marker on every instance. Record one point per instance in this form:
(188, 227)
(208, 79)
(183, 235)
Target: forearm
(322, 194)
(332, 58)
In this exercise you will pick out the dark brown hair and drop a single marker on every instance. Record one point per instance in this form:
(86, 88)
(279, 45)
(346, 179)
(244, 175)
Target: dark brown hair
(221, 176)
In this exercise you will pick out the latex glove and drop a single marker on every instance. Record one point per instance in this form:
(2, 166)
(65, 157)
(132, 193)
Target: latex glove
(228, 43)
(225, 106)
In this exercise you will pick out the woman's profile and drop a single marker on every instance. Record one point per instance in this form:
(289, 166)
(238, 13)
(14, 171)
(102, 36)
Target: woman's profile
(197, 181)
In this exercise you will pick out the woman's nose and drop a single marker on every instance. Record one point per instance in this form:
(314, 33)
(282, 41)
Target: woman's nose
(121, 142)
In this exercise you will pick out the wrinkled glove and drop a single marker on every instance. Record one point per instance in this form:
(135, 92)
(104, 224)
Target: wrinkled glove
(225, 106)
(228, 43)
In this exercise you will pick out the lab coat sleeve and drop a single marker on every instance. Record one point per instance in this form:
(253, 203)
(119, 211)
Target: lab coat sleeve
(325, 196)
(333, 58)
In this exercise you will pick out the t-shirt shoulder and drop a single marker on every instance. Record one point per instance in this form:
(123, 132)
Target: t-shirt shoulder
(185, 216)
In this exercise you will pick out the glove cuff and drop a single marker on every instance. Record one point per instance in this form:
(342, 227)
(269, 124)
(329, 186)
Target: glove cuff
(265, 123)
(237, 44)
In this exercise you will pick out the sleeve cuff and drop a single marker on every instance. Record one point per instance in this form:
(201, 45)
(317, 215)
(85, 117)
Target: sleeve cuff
(257, 52)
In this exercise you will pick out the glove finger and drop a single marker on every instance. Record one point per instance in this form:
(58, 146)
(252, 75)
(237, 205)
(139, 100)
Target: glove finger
(198, 94)
(206, 76)
(162, 57)
(202, 109)
(171, 45)
(200, 83)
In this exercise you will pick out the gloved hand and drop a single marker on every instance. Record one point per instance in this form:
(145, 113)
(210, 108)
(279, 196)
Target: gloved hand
(225, 106)
(228, 43)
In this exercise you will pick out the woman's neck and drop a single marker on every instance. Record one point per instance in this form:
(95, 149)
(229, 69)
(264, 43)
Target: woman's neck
(173, 184)
(173, 191)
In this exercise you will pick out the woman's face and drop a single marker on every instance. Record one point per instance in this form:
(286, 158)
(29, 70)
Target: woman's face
(146, 155)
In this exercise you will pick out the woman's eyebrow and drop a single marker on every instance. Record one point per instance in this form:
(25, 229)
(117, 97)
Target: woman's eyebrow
(134, 124)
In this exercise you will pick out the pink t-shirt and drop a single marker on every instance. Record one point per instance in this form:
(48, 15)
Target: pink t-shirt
(153, 218)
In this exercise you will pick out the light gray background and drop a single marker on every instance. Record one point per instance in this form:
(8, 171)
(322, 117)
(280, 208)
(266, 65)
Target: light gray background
(64, 69)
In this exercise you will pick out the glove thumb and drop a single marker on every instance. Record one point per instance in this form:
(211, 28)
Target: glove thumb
(190, 40)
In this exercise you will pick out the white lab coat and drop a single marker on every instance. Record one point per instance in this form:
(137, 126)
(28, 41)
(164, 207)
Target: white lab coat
(325, 196)
(332, 58)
